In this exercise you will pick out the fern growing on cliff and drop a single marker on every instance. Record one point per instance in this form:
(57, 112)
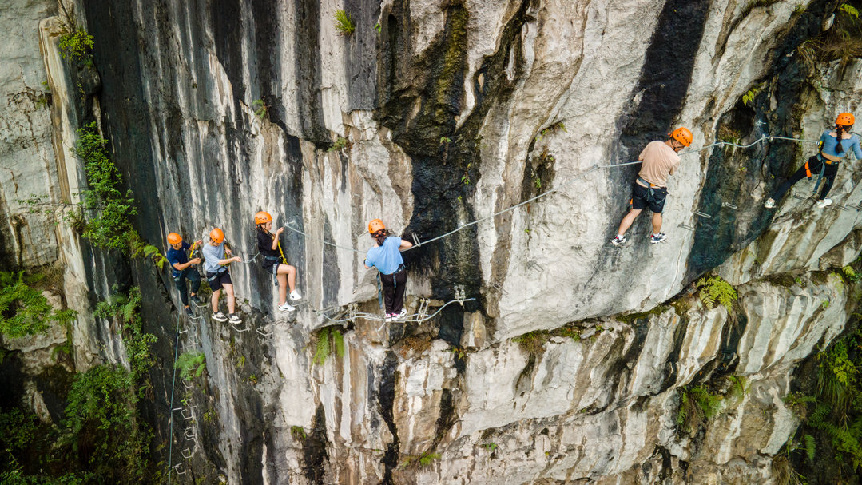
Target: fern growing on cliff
(714, 290)
(832, 418)
(696, 406)
(191, 364)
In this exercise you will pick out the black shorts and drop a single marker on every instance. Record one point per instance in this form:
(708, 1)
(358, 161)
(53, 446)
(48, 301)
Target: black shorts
(652, 198)
(270, 262)
(217, 280)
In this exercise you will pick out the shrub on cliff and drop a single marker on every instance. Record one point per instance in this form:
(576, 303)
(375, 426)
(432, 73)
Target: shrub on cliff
(76, 45)
(102, 425)
(24, 310)
(125, 310)
(108, 225)
(832, 416)
(109, 210)
(191, 364)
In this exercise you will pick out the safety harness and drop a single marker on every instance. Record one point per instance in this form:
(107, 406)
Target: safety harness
(276, 259)
(651, 188)
(823, 163)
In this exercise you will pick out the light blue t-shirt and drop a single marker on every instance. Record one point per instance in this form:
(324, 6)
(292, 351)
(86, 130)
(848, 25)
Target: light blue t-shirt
(212, 255)
(386, 258)
(831, 142)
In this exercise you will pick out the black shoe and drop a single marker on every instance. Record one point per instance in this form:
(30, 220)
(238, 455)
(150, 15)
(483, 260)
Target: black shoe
(189, 312)
(194, 299)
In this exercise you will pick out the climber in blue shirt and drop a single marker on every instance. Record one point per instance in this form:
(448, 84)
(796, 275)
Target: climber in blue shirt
(386, 257)
(834, 145)
(183, 269)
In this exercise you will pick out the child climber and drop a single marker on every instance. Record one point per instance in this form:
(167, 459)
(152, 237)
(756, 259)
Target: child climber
(660, 160)
(274, 262)
(217, 275)
(386, 257)
(834, 145)
(182, 269)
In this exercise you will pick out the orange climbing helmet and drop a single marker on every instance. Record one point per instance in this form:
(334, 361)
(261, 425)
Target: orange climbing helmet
(682, 135)
(174, 238)
(845, 119)
(217, 235)
(375, 226)
(262, 218)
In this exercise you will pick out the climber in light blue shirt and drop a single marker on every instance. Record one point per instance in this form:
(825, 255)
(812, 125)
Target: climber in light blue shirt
(834, 145)
(386, 257)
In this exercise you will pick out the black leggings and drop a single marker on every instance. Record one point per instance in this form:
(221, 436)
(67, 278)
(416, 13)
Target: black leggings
(814, 165)
(393, 290)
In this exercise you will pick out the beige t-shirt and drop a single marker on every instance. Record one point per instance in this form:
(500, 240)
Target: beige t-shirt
(659, 161)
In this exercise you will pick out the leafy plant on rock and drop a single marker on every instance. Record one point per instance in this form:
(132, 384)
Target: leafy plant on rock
(696, 406)
(714, 290)
(339, 144)
(344, 23)
(108, 225)
(76, 45)
(125, 311)
(191, 364)
(102, 426)
(327, 338)
(24, 310)
(843, 41)
(260, 108)
(832, 417)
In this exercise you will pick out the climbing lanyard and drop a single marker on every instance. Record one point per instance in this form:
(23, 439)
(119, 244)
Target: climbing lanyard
(819, 176)
(379, 292)
(283, 259)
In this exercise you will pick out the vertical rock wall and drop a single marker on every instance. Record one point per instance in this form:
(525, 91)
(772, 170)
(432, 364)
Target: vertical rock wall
(431, 115)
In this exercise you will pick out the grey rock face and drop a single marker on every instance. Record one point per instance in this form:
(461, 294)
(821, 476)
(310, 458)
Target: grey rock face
(430, 116)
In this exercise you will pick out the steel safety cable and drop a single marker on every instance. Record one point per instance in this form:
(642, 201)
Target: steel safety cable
(762, 139)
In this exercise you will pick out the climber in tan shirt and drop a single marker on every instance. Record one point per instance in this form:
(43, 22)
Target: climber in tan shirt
(659, 159)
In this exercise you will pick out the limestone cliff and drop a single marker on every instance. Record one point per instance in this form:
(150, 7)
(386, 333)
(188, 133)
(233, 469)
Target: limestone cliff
(571, 359)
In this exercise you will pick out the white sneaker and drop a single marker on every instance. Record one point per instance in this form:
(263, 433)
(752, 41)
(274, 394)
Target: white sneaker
(401, 316)
(657, 238)
(219, 316)
(294, 295)
(287, 307)
(824, 202)
(234, 319)
(618, 240)
(769, 204)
